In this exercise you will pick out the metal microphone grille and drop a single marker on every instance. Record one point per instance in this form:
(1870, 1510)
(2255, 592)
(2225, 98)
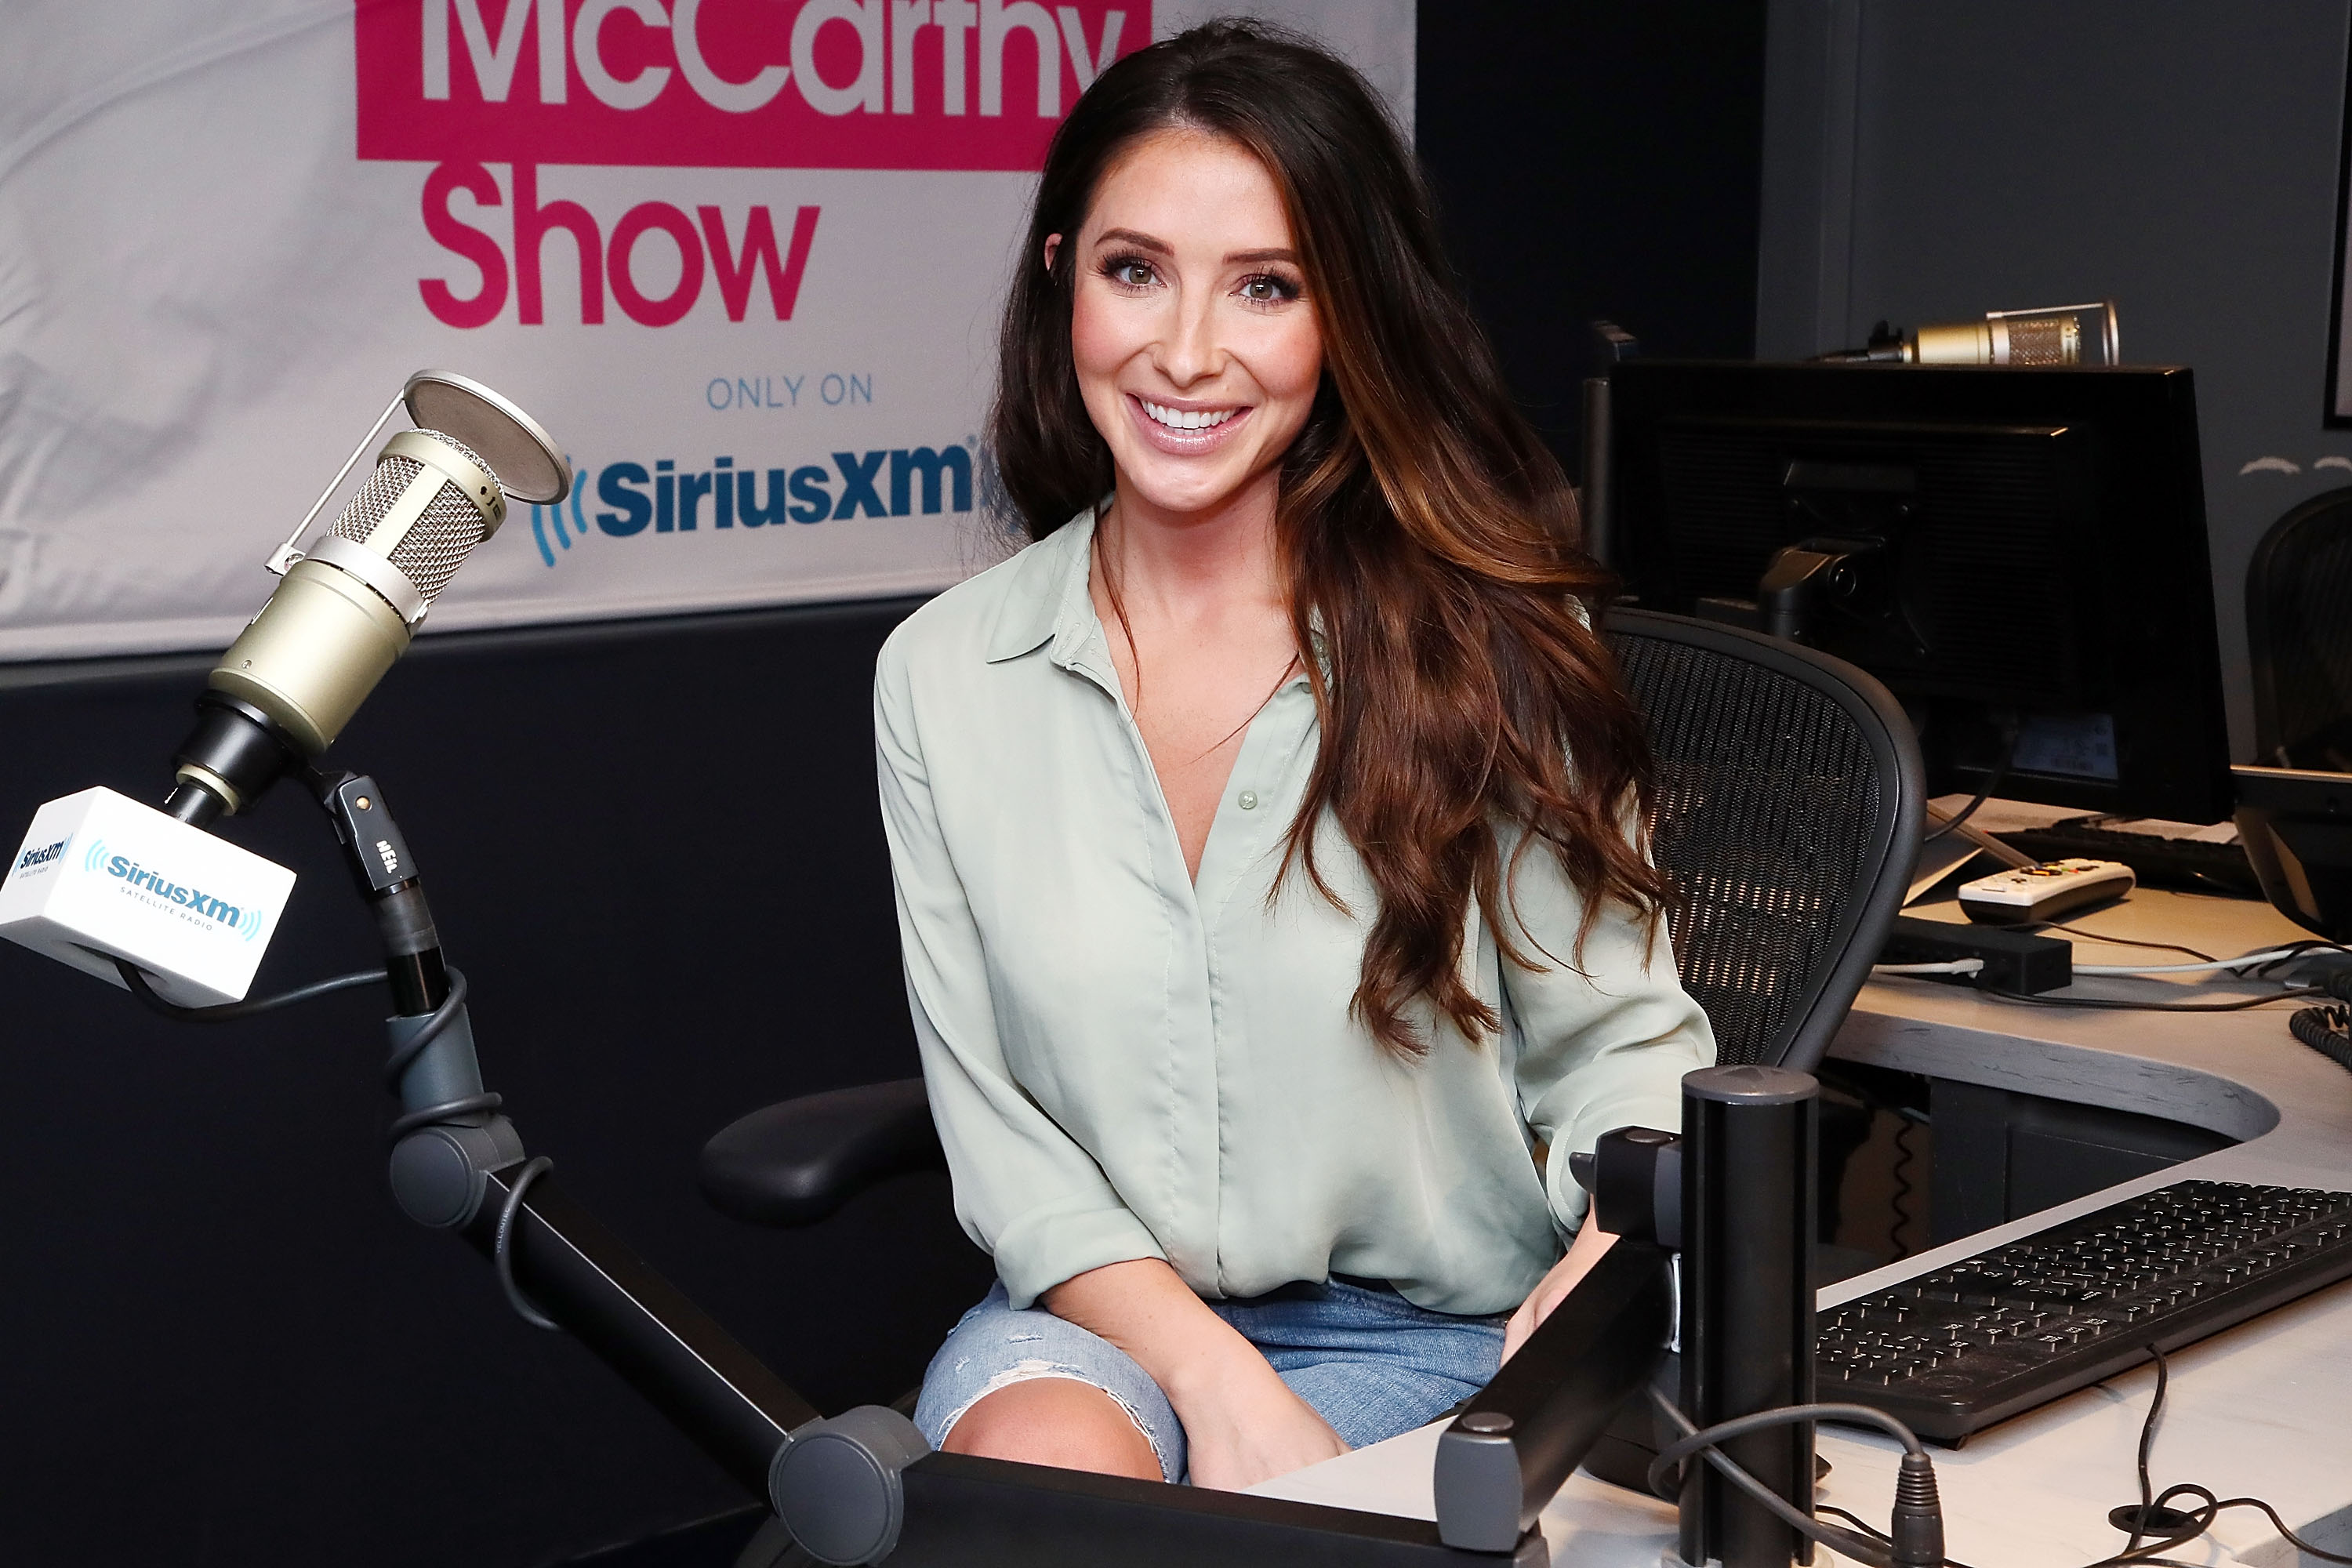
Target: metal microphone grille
(2045, 341)
(440, 540)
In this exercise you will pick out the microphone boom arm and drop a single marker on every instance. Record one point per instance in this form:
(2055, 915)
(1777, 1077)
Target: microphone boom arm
(459, 1165)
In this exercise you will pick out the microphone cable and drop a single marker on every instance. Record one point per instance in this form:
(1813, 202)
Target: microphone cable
(448, 1111)
(485, 1103)
(230, 1012)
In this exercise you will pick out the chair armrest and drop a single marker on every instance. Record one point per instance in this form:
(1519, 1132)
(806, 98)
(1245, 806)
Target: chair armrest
(795, 1163)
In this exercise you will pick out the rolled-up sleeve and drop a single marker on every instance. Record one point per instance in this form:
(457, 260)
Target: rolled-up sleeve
(1025, 1189)
(1601, 1049)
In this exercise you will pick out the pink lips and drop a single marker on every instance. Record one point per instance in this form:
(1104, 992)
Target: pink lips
(1183, 443)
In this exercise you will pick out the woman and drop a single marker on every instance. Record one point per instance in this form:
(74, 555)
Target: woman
(1272, 923)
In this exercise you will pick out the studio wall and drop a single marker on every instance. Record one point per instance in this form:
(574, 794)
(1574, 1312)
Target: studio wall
(1597, 160)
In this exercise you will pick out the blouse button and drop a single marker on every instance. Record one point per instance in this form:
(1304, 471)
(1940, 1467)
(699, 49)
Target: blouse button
(1249, 800)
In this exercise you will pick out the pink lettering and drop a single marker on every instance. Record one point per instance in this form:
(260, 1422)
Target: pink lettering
(813, 84)
(531, 223)
(759, 251)
(637, 306)
(471, 243)
(737, 269)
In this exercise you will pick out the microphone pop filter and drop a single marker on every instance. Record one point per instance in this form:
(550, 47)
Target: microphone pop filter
(515, 447)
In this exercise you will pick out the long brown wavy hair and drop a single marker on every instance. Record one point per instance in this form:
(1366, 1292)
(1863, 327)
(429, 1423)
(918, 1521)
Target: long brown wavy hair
(1426, 534)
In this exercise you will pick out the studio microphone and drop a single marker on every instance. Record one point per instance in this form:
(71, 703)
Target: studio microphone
(348, 608)
(350, 604)
(2046, 335)
(102, 881)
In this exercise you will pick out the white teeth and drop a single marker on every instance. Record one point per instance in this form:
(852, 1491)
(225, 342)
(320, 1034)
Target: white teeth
(1187, 419)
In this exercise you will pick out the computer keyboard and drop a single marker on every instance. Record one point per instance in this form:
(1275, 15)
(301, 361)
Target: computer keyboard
(1953, 1352)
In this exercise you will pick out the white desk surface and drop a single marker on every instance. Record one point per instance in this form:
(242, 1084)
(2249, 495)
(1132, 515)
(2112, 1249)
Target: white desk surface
(2262, 1410)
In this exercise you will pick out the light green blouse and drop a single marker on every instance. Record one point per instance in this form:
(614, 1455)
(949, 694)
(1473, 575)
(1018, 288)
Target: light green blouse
(1126, 1063)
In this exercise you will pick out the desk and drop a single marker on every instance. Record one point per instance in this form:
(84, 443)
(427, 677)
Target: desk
(2262, 1410)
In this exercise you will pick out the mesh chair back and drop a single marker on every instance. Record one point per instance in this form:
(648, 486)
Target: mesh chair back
(1787, 813)
(2299, 633)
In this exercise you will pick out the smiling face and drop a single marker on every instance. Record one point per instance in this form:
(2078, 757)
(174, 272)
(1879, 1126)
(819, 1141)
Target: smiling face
(1196, 348)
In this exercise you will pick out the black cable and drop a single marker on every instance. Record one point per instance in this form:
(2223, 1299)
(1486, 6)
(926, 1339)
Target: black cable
(2290, 995)
(1915, 1489)
(2147, 1446)
(1871, 1530)
(1852, 1545)
(398, 1063)
(1916, 1538)
(502, 1253)
(2152, 1502)
(445, 1111)
(449, 1110)
(1671, 1455)
(1856, 1520)
(2295, 949)
(2118, 941)
(1904, 1187)
(2297, 1541)
(2011, 728)
(2201, 1520)
(2328, 1030)
(230, 1012)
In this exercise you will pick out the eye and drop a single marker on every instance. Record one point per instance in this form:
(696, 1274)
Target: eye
(1269, 289)
(1129, 271)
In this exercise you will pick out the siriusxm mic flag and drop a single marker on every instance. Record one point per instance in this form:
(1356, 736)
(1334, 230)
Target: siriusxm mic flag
(101, 877)
(743, 257)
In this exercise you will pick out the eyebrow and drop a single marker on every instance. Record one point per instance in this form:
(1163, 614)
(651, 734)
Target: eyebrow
(1158, 246)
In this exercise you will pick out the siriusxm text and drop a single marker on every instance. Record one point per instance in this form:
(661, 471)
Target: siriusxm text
(40, 857)
(885, 483)
(187, 897)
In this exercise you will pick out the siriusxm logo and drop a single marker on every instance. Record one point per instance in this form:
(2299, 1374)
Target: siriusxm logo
(246, 924)
(42, 856)
(880, 484)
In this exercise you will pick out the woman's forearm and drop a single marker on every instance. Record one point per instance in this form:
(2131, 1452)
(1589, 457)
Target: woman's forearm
(1242, 1423)
(1145, 1310)
(1583, 1252)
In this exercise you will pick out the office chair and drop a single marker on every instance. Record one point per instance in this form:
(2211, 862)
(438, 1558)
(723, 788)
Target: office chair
(2299, 634)
(1787, 813)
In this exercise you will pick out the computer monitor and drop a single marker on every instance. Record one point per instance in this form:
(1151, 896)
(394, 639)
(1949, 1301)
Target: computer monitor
(2019, 555)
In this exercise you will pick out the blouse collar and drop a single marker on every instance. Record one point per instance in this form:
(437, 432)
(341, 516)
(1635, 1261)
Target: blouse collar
(1049, 600)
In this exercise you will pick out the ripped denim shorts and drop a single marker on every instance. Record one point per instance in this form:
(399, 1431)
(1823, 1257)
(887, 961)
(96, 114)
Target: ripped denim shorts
(1369, 1362)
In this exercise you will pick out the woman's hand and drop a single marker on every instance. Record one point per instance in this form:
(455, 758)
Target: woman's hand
(1246, 1426)
(1585, 1251)
(1242, 1423)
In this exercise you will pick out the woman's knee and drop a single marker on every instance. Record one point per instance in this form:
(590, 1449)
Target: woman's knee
(1058, 1421)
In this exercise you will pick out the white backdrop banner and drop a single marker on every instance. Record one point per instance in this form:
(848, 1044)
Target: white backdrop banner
(741, 257)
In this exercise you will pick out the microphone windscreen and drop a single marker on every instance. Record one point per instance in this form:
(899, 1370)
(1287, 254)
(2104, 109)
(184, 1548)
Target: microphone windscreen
(443, 535)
